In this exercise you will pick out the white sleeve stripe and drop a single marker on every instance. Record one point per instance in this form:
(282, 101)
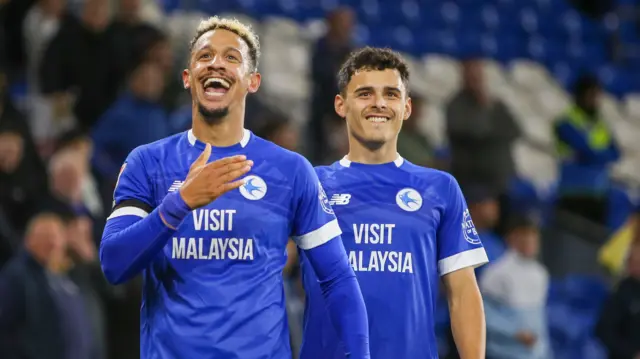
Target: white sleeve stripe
(471, 258)
(128, 211)
(318, 237)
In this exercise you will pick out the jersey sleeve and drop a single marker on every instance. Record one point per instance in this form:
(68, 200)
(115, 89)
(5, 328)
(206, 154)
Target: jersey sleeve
(314, 222)
(133, 193)
(459, 244)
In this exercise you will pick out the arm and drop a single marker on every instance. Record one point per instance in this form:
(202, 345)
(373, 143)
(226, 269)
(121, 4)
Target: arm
(342, 294)
(507, 127)
(580, 143)
(459, 252)
(134, 233)
(467, 313)
(316, 231)
(499, 324)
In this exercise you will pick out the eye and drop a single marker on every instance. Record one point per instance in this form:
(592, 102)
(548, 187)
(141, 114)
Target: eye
(232, 58)
(205, 56)
(364, 94)
(392, 94)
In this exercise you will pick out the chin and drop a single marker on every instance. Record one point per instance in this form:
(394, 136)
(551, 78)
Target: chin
(212, 114)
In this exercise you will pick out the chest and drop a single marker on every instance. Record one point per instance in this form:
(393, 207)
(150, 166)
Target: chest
(395, 216)
(244, 224)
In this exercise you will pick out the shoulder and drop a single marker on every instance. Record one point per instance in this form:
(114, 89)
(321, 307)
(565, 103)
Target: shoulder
(430, 176)
(157, 150)
(288, 160)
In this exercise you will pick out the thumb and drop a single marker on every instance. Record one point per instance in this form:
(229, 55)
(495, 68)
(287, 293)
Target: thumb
(203, 158)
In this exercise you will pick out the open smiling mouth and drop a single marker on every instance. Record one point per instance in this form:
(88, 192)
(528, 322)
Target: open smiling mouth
(216, 86)
(377, 118)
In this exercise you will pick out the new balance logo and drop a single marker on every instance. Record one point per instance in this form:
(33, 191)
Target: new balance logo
(175, 186)
(340, 199)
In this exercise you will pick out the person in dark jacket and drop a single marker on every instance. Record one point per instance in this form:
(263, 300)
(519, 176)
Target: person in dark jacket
(42, 312)
(619, 325)
(79, 71)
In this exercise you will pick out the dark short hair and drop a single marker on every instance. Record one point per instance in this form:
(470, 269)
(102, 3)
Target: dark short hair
(584, 84)
(372, 58)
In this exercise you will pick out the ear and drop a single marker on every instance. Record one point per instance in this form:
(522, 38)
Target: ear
(408, 106)
(339, 105)
(185, 79)
(254, 82)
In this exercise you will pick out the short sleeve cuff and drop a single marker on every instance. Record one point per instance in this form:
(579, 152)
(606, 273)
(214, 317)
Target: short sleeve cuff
(471, 258)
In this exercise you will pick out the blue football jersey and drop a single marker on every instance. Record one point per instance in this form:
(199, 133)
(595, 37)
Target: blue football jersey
(404, 227)
(216, 289)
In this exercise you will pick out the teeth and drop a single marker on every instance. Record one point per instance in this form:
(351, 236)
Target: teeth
(219, 80)
(377, 119)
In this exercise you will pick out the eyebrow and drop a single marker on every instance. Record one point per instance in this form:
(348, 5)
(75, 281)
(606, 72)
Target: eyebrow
(370, 88)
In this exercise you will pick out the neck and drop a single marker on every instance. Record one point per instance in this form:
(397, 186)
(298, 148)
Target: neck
(224, 132)
(360, 153)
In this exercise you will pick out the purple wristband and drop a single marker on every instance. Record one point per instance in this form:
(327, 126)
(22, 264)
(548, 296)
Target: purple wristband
(173, 209)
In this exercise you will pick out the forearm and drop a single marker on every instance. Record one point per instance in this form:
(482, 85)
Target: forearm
(129, 244)
(343, 297)
(468, 323)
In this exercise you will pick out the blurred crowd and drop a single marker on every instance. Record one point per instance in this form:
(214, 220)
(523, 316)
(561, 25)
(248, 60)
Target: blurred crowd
(83, 82)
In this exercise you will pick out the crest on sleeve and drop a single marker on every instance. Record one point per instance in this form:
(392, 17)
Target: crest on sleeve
(469, 229)
(118, 182)
(120, 174)
(324, 200)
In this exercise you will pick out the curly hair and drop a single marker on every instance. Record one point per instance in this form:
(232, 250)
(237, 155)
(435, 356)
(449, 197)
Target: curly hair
(245, 32)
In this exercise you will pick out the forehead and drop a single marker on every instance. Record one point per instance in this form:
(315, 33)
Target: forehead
(221, 39)
(375, 79)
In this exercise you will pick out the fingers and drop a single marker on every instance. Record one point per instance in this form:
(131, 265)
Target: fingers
(230, 186)
(203, 158)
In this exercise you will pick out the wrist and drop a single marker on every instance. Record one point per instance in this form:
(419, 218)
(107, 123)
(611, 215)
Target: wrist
(173, 209)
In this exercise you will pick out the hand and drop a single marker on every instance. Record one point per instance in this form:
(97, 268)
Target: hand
(528, 339)
(206, 182)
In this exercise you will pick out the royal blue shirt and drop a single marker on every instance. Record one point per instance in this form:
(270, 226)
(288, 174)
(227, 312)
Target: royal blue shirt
(213, 288)
(404, 227)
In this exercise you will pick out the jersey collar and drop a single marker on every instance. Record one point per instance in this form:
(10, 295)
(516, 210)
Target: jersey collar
(246, 136)
(346, 163)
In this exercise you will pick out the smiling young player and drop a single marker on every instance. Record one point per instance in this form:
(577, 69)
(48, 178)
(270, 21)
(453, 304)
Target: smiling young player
(405, 227)
(210, 246)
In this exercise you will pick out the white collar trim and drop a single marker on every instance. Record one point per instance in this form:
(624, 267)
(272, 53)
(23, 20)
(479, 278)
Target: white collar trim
(246, 136)
(346, 163)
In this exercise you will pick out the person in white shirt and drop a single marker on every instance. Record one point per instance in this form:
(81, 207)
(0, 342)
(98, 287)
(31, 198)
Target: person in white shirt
(515, 291)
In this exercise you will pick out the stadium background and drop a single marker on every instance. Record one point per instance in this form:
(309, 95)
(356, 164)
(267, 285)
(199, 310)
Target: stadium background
(85, 81)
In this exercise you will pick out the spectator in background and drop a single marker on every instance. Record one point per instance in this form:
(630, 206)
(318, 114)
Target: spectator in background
(78, 145)
(129, 35)
(586, 149)
(619, 325)
(515, 290)
(412, 145)
(80, 72)
(23, 180)
(281, 132)
(485, 211)
(12, 14)
(41, 25)
(481, 131)
(42, 314)
(136, 118)
(327, 57)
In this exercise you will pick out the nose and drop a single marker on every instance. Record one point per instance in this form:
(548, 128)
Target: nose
(216, 62)
(380, 102)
